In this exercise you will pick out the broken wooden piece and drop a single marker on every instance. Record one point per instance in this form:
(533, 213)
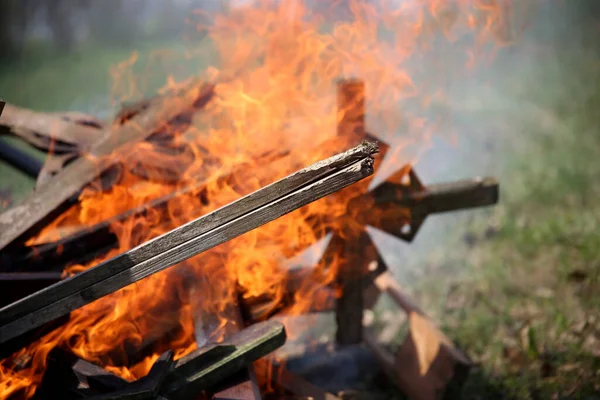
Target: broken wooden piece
(103, 154)
(249, 212)
(427, 366)
(19, 159)
(211, 364)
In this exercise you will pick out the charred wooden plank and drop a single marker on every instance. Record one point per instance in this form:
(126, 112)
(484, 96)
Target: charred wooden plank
(26, 217)
(210, 364)
(226, 223)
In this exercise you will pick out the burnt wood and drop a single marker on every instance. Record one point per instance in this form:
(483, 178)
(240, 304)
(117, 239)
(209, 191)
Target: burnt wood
(27, 216)
(145, 388)
(87, 243)
(223, 224)
(211, 364)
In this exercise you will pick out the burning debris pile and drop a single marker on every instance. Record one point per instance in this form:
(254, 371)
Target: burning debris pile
(184, 179)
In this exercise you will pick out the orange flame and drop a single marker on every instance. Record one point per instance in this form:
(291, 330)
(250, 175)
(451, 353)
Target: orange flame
(277, 62)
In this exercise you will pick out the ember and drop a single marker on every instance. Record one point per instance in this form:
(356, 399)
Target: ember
(176, 175)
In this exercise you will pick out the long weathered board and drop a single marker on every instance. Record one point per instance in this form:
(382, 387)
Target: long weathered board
(249, 212)
(46, 199)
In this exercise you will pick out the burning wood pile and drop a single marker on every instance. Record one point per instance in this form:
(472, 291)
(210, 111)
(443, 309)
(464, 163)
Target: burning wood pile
(215, 356)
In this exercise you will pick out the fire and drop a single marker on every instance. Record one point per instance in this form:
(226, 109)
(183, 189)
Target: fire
(275, 66)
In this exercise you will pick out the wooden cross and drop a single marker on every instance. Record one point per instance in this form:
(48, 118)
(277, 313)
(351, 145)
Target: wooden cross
(397, 206)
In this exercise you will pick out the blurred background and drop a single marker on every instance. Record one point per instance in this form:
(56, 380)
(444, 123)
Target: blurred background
(515, 285)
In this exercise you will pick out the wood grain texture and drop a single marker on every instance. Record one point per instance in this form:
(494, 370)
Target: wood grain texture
(70, 180)
(226, 223)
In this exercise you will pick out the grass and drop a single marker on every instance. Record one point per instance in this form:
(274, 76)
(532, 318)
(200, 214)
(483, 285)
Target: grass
(526, 305)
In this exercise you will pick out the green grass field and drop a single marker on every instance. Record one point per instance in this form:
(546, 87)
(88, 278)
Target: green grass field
(525, 304)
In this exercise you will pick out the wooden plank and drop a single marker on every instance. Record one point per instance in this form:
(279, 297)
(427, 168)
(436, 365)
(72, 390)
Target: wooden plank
(46, 199)
(210, 364)
(226, 223)
(67, 131)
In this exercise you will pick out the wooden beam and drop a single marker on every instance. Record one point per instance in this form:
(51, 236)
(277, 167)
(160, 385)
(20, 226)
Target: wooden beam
(226, 223)
(27, 216)
(349, 306)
